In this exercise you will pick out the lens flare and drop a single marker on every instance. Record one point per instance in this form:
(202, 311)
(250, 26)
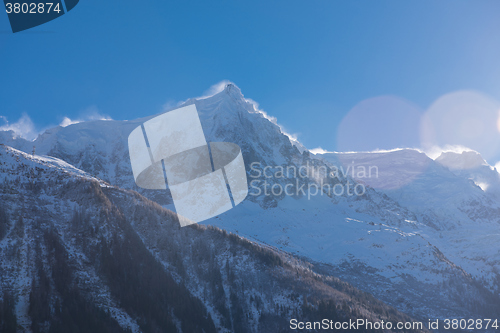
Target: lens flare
(376, 124)
(465, 118)
(498, 121)
(384, 122)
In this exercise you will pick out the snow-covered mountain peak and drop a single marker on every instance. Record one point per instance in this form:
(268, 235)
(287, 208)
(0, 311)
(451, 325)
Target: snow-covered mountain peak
(233, 90)
(471, 166)
(11, 138)
(461, 161)
(10, 134)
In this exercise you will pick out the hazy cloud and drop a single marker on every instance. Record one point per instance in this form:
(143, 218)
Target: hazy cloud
(23, 127)
(497, 166)
(89, 114)
(319, 150)
(215, 89)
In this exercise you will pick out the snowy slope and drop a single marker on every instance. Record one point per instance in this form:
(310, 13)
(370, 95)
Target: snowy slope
(454, 213)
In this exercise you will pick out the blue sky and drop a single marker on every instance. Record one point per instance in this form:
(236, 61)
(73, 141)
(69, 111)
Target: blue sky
(308, 63)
